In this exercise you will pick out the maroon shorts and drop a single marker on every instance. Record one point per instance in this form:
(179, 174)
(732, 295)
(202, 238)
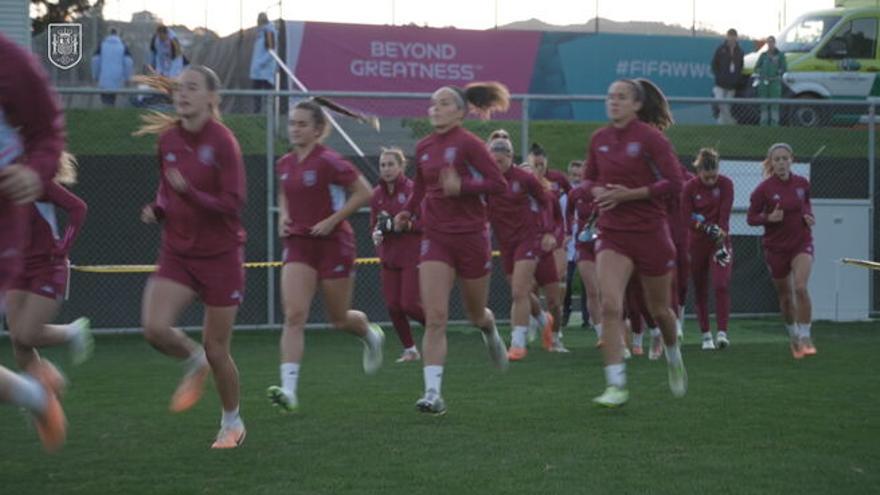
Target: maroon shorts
(48, 279)
(331, 257)
(218, 280)
(779, 262)
(530, 250)
(586, 251)
(470, 254)
(652, 253)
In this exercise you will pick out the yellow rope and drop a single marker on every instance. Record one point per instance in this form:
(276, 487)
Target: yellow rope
(152, 268)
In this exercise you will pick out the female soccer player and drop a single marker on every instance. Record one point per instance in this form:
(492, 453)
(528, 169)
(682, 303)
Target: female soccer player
(580, 212)
(31, 140)
(520, 219)
(455, 172)
(558, 186)
(781, 203)
(399, 251)
(319, 245)
(199, 201)
(706, 202)
(36, 294)
(630, 167)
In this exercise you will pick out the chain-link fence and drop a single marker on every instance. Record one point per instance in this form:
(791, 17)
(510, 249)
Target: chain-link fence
(118, 174)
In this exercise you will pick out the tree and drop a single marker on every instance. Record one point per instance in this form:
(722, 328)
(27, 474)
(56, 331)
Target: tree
(44, 12)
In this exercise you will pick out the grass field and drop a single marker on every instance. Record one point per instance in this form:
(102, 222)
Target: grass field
(103, 132)
(754, 421)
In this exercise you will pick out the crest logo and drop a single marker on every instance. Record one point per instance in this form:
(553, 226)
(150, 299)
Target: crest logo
(515, 187)
(449, 155)
(310, 178)
(401, 198)
(716, 192)
(800, 193)
(206, 155)
(65, 45)
(633, 148)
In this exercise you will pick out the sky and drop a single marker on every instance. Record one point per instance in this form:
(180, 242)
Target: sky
(754, 18)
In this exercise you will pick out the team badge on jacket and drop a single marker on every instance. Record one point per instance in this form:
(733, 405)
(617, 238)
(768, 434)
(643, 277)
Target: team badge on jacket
(401, 198)
(65, 44)
(206, 155)
(310, 178)
(632, 149)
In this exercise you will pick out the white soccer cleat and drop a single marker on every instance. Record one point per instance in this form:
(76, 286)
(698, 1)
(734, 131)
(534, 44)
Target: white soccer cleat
(656, 350)
(721, 340)
(373, 349)
(678, 378)
(409, 355)
(559, 347)
(708, 343)
(497, 350)
(431, 403)
(83, 344)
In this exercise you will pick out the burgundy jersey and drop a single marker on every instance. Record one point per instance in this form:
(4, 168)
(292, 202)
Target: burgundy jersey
(713, 203)
(315, 188)
(579, 207)
(204, 220)
(31, 133)
(519, 213)
(398, 246)
(479, 176)
(635, 156)
(46, 243)
(678, 223)
(793, 196)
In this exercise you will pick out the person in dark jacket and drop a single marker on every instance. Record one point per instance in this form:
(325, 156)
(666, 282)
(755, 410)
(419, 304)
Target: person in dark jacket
(727, 65)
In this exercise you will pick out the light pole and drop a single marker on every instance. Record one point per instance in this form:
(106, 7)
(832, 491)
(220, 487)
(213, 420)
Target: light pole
(597, 16)
(694, 19)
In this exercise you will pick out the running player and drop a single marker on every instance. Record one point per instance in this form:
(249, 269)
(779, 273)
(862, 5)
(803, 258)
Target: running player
(522, 225)
(199, 202)
(631, 166)
(31, 140)
(454, 173)
(781, 203)
(706, 201)
(319, 246)
(398, 251)
(36, 294)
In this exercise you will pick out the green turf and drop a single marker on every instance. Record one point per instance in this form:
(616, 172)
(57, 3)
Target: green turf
(754, 421)
(108, 131)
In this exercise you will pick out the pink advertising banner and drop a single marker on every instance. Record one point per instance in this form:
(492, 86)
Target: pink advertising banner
(353, 57)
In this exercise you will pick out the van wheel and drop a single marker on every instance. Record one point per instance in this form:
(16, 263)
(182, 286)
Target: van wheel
(808, 115)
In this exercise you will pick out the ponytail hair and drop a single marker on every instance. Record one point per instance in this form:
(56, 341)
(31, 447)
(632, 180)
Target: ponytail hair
(155, 122)
(66, 169)
(397, 153)
(707, 159)
(482, 97)
(655, 108)
(316, 107)
(768, 163)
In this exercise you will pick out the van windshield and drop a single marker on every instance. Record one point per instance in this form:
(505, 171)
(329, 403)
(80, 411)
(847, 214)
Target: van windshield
(805, 33)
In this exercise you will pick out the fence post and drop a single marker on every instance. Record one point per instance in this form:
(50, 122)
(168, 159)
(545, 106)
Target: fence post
(524, 132)
(270, 207)
(872, 185)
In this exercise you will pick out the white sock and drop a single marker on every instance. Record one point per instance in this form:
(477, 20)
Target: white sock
(615, 375)
(542, 319)
(707, 335)
(637, 339)
(804, 330)
(678, 326)
(195, 361)
(557, 337)
(598, 329)
(792, 330)
(289, 378)
(518, 336)
(533, 322)
(433, 378)
(28, 393)
(411, 349)
(655, 332)
(230, 418)
(673, 354)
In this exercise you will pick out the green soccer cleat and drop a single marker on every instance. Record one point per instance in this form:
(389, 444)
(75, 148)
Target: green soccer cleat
(612, 397)
(83, 345)
(286, 403)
